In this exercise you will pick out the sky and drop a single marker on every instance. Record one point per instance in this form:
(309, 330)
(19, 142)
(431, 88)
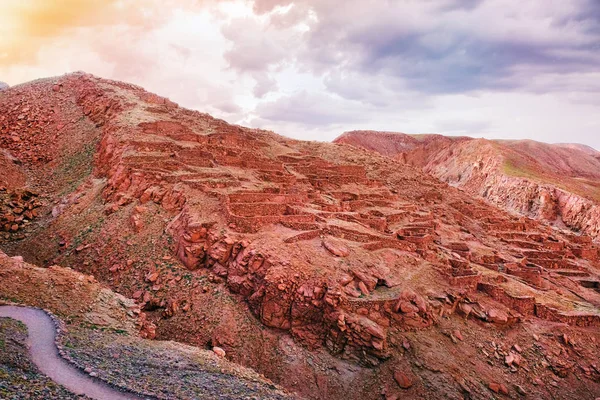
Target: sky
(313, 69)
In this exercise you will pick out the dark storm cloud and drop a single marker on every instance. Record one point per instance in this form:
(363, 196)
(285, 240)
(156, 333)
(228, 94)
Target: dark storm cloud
(435, 54)
(470, 64)
(435, 46)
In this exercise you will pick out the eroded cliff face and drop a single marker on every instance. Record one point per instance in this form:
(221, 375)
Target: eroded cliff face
(322, 266)
(543, 197)
(556, 184)
(578, 213)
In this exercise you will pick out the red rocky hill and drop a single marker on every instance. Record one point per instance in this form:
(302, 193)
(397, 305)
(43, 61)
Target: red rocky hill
(329, 269)
(557, 184)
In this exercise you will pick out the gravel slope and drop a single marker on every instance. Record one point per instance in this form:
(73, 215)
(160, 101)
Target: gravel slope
(166, 370)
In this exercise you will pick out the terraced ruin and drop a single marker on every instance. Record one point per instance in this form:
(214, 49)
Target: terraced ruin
(241, 238)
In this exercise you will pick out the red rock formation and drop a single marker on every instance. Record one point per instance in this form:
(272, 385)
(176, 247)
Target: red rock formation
(557, 184)
(277, 250)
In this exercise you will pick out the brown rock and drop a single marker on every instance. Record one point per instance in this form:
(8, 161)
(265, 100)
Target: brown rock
(219, 351)
(363, 288)
(335, 247)
(498, 388)
(407, 307)
(375, 330)
(408, 295)
(517, 348)
(509, 359)
(497, 316)
(419, 301)
(345, 279)
(520, 390)
(152, 277)
(457, 335)
(465, 309)
(403, 380)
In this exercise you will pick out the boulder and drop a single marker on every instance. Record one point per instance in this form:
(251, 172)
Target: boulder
(219, 351)
(497, 316)
(498, 388)
(403, 380)
(407, 307)
(335, 247)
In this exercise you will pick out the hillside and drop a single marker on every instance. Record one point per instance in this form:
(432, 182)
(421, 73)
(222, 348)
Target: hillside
(325, 267)
(557, 184)
(99, 333)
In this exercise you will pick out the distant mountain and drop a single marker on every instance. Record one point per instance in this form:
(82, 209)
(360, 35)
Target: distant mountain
(3, 85)
(557, 183)
(582, 147)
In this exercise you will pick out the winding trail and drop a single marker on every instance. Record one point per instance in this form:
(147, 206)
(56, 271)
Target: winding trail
(44, 354)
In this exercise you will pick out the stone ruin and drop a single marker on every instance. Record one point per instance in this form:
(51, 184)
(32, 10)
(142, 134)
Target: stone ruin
(294, 230)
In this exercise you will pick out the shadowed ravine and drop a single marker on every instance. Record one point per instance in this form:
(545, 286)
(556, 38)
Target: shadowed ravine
(44, 355)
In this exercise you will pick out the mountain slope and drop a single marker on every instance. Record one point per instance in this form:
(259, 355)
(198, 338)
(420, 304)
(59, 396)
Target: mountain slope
(324, 267)
(558, 184)
(99, 336)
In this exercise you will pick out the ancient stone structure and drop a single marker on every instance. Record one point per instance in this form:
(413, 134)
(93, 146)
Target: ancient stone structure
(335, 246)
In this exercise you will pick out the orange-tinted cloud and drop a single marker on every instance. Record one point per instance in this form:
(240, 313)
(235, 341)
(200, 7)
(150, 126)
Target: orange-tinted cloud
(25, 25)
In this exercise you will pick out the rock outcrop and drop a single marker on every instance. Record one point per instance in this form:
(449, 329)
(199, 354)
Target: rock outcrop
(557, 184)
(327, 268)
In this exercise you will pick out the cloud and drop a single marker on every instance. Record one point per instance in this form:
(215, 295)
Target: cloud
(403, 65)
(179, 56)
(311, 108)
(32, 22)
(459, 4)
(265, 84)
(377, 90)
(265, 6)
(254, 47)
(26, 26)
(444, 46)
(456, 127)
(260, 48)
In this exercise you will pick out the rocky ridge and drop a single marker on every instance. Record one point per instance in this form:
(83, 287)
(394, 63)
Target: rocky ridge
(242, 239)
(557, 184)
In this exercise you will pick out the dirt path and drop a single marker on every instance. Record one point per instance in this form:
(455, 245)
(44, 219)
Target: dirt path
(44, 355)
